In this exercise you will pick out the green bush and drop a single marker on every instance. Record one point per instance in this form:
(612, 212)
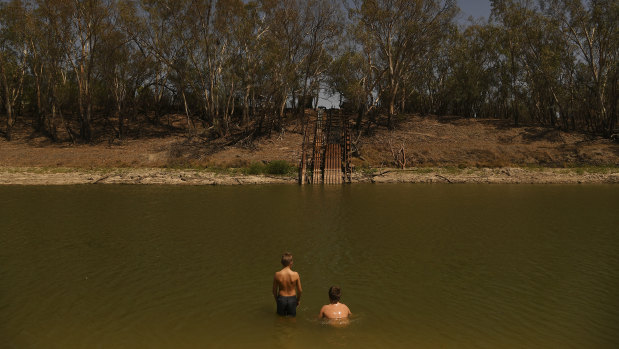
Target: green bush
(278, 167)
(255, 168)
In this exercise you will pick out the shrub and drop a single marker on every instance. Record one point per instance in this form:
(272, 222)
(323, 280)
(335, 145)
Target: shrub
(278, 167)
(255, 168)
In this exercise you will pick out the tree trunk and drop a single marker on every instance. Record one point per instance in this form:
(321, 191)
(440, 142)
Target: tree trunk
(7, 105)
(42, 124)
(121, 125)
(189, 124)
(391, 112)
(246, 107)
(360, 117)
(51, 125)
(9, 120)
(282, 110)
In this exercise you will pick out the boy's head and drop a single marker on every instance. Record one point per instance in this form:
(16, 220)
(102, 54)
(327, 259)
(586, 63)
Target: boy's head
(287, 259)
(334, 294)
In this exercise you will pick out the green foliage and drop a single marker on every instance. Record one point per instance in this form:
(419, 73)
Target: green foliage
(276, 167)
(255, 168)
(279, 167)
(366, 169)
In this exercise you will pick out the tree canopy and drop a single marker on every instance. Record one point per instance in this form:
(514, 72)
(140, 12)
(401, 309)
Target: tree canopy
(78, 67)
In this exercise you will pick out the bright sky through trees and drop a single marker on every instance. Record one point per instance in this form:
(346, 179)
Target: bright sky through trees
(468, 8)
(475, 8)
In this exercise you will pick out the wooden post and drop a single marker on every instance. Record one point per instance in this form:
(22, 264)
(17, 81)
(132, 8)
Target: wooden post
(328, 165)
(317, 158)
(332, 156)
(340, 166)
(303, 167)
(347, 167)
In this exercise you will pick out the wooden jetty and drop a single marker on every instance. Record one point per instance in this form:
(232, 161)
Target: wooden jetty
(330, 160)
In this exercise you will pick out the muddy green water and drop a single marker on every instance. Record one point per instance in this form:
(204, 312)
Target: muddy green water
(421, 266)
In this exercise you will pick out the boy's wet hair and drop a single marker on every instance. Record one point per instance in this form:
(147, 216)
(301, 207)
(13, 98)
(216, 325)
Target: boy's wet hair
(334, 294)
(286, 259)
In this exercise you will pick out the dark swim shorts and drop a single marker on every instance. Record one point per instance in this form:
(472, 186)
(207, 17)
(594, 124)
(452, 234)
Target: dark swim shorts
(287, 306)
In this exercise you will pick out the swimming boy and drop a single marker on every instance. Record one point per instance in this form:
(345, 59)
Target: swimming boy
(335, 310)
(287, 288)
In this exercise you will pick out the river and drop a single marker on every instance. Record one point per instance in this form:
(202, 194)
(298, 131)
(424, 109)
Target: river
(423, 266)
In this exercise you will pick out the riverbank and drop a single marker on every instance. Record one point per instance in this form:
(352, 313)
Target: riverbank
(430, 141)
(161, 176)
(437, 149)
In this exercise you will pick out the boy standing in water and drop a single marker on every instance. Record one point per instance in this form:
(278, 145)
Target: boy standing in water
(335, 310)
(287, 288)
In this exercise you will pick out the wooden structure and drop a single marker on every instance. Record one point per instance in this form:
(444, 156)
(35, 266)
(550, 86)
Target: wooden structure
(330, 158)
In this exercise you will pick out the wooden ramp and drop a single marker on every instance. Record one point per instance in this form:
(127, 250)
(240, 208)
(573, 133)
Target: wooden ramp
(330, 162)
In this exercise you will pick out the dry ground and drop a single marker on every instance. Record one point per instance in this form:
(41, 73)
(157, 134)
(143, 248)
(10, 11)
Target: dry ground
(428, 142)
(452, 141)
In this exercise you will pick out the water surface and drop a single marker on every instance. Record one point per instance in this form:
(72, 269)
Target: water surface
(425, 266)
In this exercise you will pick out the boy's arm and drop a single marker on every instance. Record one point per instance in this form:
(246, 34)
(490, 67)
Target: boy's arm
(299, 289)
(275, 288)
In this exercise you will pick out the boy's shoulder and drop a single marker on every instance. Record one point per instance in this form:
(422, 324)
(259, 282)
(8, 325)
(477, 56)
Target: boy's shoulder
(286, 272)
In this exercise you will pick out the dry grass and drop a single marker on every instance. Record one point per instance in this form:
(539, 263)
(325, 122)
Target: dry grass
(448, 142)
(458, 142)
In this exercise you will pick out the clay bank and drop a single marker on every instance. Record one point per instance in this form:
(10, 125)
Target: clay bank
(159, 176)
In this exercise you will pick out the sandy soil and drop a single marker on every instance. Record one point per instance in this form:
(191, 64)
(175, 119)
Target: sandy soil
(445, 149)
(71, 176)
(450, 141)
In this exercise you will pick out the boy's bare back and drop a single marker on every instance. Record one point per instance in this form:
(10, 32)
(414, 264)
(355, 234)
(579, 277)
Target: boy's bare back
(287, 282)
(335, 311)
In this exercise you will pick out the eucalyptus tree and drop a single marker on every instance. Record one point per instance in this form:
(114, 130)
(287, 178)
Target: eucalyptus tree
(54, 83)
(472, 60)
(510, 14)
(545, 59)
(530, 56)
(85, 25)
(429, 73)
(249, 31)
(14, 53)
(158, 29)
(402, 32)
(206, 51)
(285, 55)
(350, 78)
(123, 68)
(323, 33)
(241, 29)
(592, 29)
(39, 48)
(228, 15)
(356, 74)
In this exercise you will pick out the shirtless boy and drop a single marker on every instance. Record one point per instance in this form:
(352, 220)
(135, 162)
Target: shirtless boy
(287, 288)
(335, 310)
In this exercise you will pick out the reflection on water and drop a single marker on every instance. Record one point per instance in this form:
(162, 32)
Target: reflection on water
(337, 323)
(420, 266)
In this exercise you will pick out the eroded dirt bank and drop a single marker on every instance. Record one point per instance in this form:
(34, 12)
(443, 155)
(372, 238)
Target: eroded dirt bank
(72, 176)
(438, 149)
